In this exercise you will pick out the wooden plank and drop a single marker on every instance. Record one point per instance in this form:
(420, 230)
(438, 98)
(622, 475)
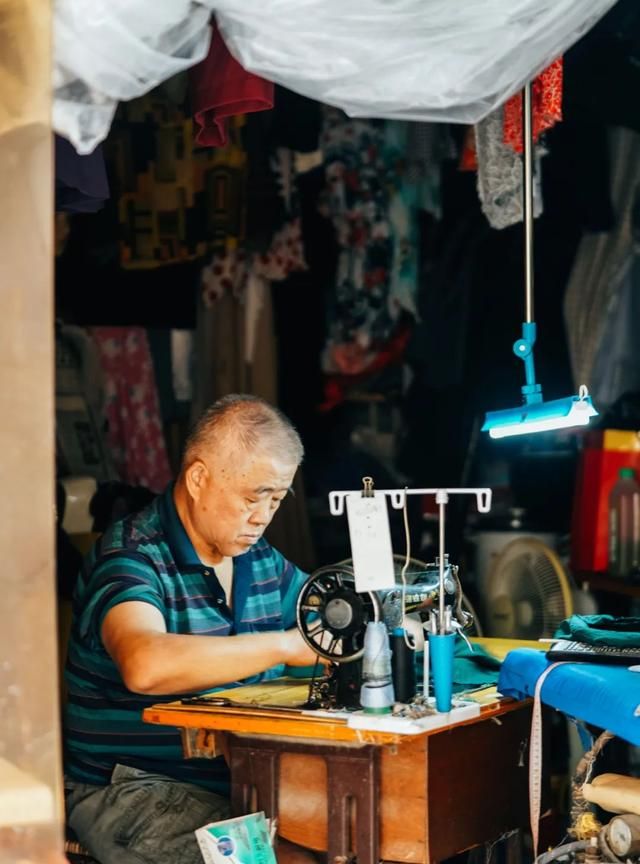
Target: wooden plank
(257, 724)
(403, 802)
(255, 721)
(24, 799)
(302, 808)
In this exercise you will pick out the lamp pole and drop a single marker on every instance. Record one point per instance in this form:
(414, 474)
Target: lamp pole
(527, 185)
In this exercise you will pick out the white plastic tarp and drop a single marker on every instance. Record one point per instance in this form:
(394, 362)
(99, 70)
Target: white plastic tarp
(437, 60)
(442, 60)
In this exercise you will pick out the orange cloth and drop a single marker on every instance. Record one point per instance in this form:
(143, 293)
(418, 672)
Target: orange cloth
(546, 94)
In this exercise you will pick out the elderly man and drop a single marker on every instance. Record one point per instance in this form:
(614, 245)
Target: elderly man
(182, 598)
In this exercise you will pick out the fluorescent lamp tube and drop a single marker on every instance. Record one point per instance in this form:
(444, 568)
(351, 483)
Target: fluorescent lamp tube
(541, 416)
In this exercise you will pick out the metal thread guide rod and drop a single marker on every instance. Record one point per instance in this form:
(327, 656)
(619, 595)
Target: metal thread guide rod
(442, 499)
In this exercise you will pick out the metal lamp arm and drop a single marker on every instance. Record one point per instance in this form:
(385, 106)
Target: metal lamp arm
(523, 348)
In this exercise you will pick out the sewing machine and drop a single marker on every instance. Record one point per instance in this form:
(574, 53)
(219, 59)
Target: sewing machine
(332, 618)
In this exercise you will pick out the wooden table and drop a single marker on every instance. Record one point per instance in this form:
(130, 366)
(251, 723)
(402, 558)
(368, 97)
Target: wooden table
(418, 798)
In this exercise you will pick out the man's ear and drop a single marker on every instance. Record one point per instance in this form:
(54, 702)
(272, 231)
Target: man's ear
(196, 477)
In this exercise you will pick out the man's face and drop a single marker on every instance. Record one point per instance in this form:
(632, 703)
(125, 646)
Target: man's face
(238, 499)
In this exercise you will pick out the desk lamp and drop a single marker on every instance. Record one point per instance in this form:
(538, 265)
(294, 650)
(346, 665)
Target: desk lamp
(534, 415)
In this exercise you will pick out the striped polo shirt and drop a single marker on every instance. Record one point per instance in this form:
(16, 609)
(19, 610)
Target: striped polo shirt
(149, 558)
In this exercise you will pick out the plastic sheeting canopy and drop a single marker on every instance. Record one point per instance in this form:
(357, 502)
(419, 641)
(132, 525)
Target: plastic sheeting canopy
(108, 51)
(413, 59)
(437, 60)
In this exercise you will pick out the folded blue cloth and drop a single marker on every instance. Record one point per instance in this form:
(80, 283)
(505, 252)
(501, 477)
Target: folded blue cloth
(604, 696)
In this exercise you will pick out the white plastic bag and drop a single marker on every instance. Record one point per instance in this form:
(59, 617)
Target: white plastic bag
(442, 60)
(106, 51)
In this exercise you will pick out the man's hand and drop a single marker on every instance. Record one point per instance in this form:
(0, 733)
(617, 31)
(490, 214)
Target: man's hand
(297, 652)
(154, 662)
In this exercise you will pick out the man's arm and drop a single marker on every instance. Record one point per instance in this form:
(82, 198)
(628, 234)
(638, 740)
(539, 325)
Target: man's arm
(154, 662)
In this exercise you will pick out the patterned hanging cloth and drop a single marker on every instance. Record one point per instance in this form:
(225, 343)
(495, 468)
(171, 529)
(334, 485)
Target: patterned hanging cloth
(546, 96)
(132, 408)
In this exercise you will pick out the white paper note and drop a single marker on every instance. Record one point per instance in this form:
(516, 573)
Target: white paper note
(371, 548)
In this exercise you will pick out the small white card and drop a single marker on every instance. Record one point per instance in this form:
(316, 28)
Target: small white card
(371, 548)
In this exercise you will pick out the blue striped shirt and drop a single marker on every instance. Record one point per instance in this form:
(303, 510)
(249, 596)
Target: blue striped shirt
(149, 558)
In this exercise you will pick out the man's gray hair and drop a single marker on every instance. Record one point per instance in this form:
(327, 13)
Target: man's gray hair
(252, 424)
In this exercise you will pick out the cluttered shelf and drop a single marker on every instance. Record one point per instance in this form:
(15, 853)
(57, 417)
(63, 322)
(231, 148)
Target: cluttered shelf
(609, 584)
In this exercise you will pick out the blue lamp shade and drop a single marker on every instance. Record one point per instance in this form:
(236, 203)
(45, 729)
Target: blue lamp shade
(541, 416)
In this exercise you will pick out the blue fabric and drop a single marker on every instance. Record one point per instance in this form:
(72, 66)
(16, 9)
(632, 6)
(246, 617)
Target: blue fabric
(605, 696)
(149, 558)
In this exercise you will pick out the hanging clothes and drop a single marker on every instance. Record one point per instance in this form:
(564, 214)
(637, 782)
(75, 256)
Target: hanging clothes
(428, 145)
(221, 88)
(616, 365)
(235, 346)
(236, 284)
(496, 144)
(595, 277)
(132, 409)
(175, 203)
(81, 181)
(374, 212)
(81, 440)
(500, 175)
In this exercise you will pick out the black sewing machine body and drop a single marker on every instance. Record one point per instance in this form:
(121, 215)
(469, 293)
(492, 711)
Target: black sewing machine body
(332, 617)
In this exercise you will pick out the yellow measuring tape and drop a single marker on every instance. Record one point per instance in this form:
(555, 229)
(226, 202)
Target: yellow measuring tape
(535, 760)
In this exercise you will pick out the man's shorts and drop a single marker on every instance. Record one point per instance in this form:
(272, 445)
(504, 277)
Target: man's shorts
(141, 817)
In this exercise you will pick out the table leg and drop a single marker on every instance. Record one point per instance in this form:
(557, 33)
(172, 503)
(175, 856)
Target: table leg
(254, 770)
(353, 777)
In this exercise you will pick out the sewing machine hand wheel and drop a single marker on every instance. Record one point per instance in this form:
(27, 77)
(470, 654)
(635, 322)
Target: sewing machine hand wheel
(332, 617)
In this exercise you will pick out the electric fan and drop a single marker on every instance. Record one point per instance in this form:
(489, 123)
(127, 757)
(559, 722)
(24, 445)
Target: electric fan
(528, 592)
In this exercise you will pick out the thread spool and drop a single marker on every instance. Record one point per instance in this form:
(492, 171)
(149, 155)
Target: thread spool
(403, 671)
(376, 693)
